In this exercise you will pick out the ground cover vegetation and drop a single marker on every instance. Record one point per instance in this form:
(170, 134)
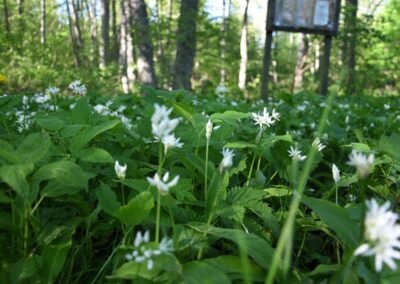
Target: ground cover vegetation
(173, 187)
(134, 147)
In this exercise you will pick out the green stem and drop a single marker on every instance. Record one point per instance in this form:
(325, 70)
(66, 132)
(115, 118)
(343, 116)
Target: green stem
(123, 194)
(37, 204)
(206, 174)
(251, 170)
(110, 257)
(258, 163)
(337, 195)
(158, 216)
(285, 239)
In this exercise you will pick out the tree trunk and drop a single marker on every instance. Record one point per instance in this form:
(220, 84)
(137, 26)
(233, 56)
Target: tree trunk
(243, 52)
(75, 32)
(126, 60)
(114, 29)
(222, 44)
(6, 17)
(352, 40)
(145, 62)
(302, 53)
(186, 44)
(94, 48)
(43, 22)
(105, 33)
(20, 4)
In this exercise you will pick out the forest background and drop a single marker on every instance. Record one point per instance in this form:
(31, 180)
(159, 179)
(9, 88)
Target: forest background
(117, 46)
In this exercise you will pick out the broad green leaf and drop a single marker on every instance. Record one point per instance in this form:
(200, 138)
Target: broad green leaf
(337, 219)
(257, 248)
(230, 117)
(95, 155)
(390, 145)
(233, 266)
(240, 145)
(324, 269)
(361, 147)
(7, 153)
(107, 199)
(201, 272)
(51, 123)
(15, 177)
(183, 110)
(63, 174)
(53, 259)
(278, 191)
(4, 198)
(87, 134)
(34, 147)
(137, 209)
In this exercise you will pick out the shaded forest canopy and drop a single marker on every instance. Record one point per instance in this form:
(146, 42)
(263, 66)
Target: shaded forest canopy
(117, 46)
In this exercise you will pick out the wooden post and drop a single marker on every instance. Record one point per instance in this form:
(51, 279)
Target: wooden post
(325, 65)
(266, 64)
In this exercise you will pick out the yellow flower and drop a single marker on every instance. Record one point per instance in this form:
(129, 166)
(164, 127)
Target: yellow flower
(3, 80)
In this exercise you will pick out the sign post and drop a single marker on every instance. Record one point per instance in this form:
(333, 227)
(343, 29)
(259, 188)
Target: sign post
(304, 16)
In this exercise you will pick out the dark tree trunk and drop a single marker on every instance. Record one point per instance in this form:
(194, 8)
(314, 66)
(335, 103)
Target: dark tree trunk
(302, 53)
(75, 32)
(145, 61)
(6, 17)
(105, 33)
(20, 4)
(43, 22)
(351, 45)
(243, 51)
(186, 44)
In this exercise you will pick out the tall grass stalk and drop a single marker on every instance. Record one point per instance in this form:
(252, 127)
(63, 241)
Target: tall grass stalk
(286, 238)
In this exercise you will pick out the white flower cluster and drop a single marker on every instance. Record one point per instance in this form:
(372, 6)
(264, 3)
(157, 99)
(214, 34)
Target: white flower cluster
(105, 110)
(221, 90)
(362, 163)
(145, 252)
(162, 184)
(24, 116)
(265, 118)
(77, 88)
(317, 144)
(296, 154)
(52, 91)
(162, 127)
(227, 159)
(382, 235)
(120, 170)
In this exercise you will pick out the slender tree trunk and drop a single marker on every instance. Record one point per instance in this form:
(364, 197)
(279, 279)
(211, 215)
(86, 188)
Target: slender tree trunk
(302, 53)
(43, 22)
(75, 32)
(186, 44)
(222, 44)
(243, 52)
(20, 4)
(352, 40)
(105, 33)
(6, 17)
(145, 62)
(114, 39)
(94, 48)
(126, 60)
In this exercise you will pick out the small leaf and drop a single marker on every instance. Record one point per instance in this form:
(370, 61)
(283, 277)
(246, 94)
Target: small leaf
(34, 147)
(107, 199)
(201, 272)
(240, 145)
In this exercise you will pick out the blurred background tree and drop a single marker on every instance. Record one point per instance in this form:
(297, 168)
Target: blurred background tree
(118, 45)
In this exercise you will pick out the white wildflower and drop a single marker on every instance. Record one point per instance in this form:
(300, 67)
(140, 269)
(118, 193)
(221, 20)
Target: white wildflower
(296, 154)
(78, 88)
(209, 128)
(335, 174)
(52, 91)
(318, 145)
(264, 119)
(382, 235)
(162, 184)
(120, 170)
(170, 141)
(362, 163)
(161, 125)
(227, 160)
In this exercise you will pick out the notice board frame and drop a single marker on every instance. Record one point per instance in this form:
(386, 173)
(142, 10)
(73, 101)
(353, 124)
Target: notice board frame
(327, 33)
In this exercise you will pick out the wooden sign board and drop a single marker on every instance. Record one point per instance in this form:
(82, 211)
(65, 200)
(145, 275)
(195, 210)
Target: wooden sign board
(307, 16)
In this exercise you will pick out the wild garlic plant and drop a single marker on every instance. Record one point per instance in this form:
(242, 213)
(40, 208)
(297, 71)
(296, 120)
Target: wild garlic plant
(162, 129)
